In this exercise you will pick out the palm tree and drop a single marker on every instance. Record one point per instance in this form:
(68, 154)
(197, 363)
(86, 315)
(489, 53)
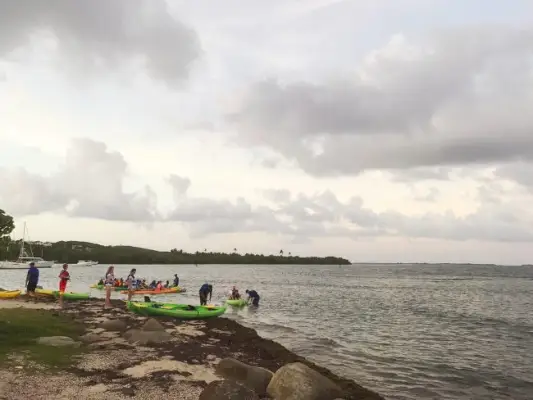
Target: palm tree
(281, 252)
(234, 249)
(290, 254)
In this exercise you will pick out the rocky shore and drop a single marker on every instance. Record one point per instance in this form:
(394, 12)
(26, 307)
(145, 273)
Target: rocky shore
(128, 356)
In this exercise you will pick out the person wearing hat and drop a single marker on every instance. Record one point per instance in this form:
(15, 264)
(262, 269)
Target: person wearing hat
(32, 280)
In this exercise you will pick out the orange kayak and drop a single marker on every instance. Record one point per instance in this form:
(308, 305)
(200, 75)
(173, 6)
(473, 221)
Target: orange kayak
(155, 291)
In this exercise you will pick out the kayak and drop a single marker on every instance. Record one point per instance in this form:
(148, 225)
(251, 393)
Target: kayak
(115, 288)
(180, 311)
(9, 294)
(66, 295)
(155, 291)
(236, 302)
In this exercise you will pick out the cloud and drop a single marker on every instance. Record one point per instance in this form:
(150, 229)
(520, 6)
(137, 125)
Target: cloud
(99, 33)
(459, 98)
(521, 173)
(89, 184)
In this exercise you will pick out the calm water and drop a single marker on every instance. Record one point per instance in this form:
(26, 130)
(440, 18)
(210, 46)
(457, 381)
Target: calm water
(408, 332)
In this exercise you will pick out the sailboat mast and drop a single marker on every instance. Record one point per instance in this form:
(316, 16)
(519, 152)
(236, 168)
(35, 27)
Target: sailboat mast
(21, 254)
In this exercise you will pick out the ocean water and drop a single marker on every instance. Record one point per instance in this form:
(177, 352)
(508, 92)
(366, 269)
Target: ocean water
(405, 331)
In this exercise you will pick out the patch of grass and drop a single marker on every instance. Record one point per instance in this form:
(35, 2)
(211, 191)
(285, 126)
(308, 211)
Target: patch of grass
(19, 329)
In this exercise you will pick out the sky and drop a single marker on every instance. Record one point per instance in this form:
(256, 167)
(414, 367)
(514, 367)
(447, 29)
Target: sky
(382, 131)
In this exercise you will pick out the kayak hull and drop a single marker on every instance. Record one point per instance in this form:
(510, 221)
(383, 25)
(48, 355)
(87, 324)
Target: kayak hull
(115, 288)
(155, 292)
(236, 302)
(66, 295)
(9, 294)
(178, 311)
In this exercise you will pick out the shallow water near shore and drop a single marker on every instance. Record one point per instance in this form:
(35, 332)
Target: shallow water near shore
(405, 331)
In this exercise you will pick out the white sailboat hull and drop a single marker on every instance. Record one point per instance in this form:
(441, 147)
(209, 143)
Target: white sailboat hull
(19, 265)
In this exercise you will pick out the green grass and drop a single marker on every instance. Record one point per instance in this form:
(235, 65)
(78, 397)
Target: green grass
(19, 329)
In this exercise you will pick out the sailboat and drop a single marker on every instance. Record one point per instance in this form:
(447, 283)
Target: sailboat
(25, 258)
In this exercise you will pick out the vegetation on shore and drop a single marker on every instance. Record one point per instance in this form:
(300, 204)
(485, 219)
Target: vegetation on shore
(20, 328)
(72, 251)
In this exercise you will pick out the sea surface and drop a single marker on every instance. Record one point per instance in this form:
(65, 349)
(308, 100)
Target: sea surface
(405, 331)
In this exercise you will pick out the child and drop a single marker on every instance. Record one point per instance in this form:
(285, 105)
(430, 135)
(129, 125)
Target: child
(64, 277)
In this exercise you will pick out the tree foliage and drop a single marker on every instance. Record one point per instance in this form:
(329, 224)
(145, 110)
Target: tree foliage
(7, 225)
(71, 252)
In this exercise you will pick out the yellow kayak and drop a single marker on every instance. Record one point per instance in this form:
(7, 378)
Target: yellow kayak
(47, 292)
(9, 294)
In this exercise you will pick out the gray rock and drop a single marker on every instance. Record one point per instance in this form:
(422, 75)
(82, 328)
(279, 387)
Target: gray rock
(146, 337)
(116, 325)
(227, 390)
(255, 378)
(297, 381)
(91, 338)
(58, 341)
(152, 325)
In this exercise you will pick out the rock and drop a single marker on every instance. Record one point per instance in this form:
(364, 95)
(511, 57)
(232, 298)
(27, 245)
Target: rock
(297, 381)
(227, 390)
(152, 325)
(91, 338)
(116, 325)
(146, 337)
(211, 357)
(255, 378)
(58, 341)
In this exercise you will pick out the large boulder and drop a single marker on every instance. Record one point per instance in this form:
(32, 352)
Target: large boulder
(152, 325)
(142, 337)
(297, 381)
(58, 341)
(255, 378)
(227, 390)
(116, 325)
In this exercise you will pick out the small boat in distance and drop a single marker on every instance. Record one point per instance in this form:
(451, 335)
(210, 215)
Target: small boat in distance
(85, 263)
(25, 258)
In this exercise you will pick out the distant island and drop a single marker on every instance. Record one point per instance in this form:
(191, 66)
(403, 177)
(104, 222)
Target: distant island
(72, 251)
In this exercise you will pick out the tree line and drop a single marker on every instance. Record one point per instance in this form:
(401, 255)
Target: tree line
(72, 251)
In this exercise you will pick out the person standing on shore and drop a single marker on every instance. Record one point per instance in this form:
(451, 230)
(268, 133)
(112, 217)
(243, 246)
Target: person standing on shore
(64, 277)
(109, 283)
(131, 281)
(32, 280)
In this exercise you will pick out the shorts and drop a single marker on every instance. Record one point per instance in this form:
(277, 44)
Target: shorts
(31, 286)
(62, 286)
(255, 301)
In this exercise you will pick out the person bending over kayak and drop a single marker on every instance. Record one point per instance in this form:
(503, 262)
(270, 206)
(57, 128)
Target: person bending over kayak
(254, 296)
(176, 280)
(205, 290)
(64, 277)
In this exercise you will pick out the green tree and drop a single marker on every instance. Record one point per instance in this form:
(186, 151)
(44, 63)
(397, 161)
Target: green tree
(7, 225)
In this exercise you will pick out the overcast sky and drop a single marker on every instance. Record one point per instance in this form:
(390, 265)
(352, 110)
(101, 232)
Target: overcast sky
(386, 130)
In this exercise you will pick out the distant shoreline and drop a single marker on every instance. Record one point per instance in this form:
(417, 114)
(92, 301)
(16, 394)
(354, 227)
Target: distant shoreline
(72, 251)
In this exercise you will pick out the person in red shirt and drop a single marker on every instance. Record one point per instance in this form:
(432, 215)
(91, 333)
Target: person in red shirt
(64, 277)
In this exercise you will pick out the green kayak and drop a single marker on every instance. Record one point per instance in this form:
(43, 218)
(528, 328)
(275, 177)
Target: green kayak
(115, 288)
(236, 302)
(180, 311)
(72, 296)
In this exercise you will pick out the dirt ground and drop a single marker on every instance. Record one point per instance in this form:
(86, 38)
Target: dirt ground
(114, 368)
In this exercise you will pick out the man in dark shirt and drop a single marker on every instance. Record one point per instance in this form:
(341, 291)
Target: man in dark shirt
(205, 290)
(32, 279)
(254, 296)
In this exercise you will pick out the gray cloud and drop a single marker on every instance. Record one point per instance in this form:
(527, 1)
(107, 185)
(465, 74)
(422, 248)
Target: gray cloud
(436, 104)
(521, 173)
(101, 33)
(89, 184)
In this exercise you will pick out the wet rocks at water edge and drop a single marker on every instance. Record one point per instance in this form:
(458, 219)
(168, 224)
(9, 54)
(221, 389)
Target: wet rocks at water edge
(295, 381)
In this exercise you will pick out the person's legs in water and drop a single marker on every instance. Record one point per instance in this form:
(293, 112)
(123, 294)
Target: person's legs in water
(62, 288)
(255, 301)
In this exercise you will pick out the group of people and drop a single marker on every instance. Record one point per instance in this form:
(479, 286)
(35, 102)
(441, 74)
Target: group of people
(32, 281)
(207, 290)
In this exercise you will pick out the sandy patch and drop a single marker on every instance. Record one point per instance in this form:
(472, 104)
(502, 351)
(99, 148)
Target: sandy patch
(187, 372)
(27, 304)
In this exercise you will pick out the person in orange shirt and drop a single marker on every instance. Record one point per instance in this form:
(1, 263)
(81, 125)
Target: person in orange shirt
(64, 277)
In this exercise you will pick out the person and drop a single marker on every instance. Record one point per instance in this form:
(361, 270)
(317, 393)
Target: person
(254, 296)
(158, 286)
(205, 289)
(167, 284)
(235, 295)
(100, 282)
(64, 277)
(32, 280)
(109, 283)
(153, 284)
(176, 280)
(132, 283)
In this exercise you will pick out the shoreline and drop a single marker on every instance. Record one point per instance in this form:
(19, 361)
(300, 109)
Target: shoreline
(189, 357)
